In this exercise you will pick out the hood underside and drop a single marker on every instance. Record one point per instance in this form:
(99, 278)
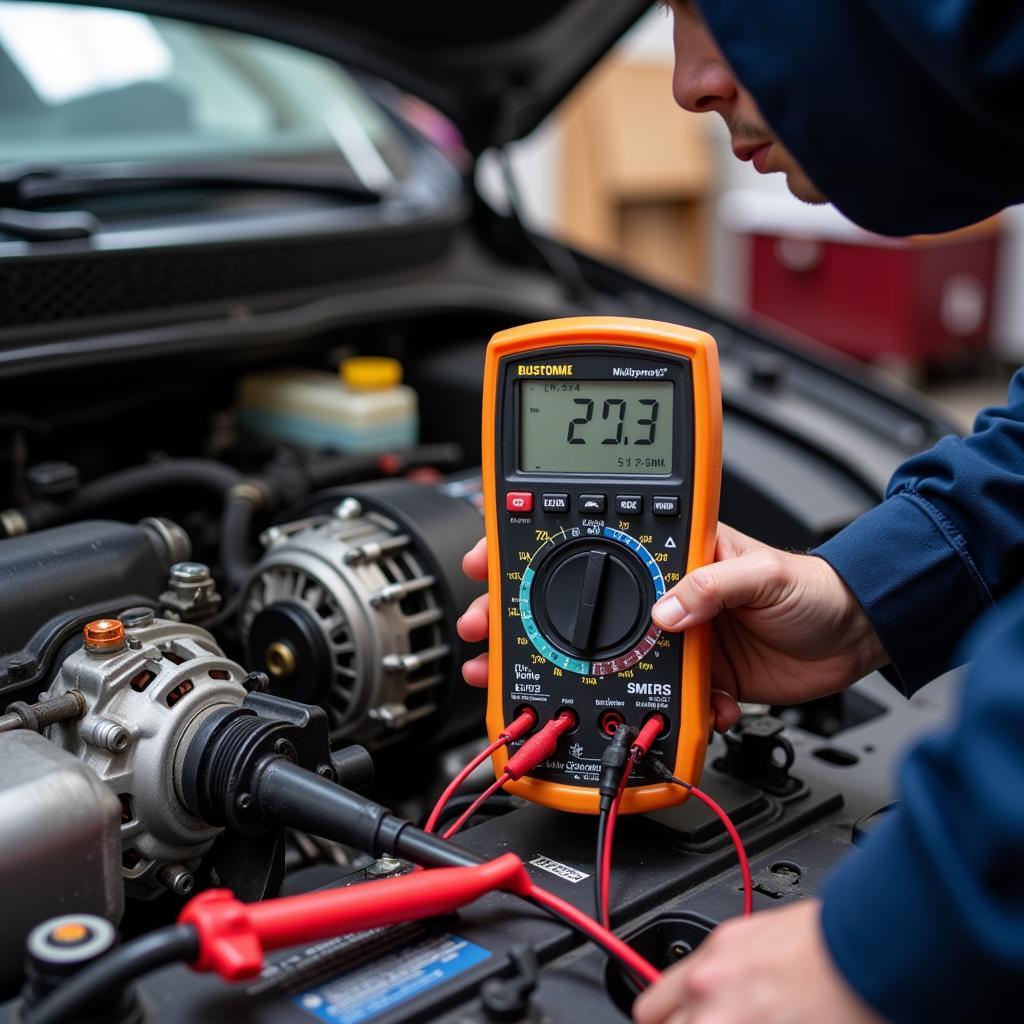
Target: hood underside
(495, 69)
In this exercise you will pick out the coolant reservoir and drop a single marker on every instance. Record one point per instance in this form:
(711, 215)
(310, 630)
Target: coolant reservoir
(364, 408)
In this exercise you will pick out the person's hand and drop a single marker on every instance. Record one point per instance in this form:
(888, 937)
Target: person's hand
(785, 627)
(771, 968)
(472, 627)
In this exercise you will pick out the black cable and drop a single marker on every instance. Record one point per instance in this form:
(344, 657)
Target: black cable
(602, 828)
(175, 943)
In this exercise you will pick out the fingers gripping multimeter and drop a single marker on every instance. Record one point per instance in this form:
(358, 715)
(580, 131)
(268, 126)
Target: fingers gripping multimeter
(602, 467)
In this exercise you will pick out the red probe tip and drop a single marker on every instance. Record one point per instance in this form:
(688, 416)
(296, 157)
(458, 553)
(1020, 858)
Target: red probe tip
(649, 732)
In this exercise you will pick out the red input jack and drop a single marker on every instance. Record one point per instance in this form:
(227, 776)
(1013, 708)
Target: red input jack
(609, 723)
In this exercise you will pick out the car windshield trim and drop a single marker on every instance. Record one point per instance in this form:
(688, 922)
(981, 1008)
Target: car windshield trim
(27, 187)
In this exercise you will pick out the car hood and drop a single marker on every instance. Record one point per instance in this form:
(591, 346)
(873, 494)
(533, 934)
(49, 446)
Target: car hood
(495, 69)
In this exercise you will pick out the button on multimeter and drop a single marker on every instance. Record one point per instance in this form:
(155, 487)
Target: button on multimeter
(629, 504)
(665, 504)
(592, 504)
(519, 501)
(554, 503)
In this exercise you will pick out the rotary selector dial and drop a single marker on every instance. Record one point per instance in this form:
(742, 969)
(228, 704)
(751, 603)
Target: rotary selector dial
(584, 601)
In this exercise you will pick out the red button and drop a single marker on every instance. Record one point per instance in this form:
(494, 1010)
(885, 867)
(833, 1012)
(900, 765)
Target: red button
(519, 501)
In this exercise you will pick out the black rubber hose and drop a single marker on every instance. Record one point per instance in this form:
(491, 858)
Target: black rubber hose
(168, 474)
(235, 533)
(176, 943)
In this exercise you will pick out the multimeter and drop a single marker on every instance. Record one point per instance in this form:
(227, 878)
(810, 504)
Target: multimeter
(602, 466)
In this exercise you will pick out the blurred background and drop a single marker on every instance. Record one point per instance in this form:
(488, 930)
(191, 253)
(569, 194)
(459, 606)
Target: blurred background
(620, 171)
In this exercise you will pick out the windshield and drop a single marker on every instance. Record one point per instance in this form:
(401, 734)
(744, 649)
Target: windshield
(86, 84)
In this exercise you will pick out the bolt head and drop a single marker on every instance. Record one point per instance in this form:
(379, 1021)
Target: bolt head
(244, 801)
(190, 572)
(350, 508)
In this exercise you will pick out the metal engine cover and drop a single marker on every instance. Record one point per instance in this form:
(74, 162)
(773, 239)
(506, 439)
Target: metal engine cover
(60, 850)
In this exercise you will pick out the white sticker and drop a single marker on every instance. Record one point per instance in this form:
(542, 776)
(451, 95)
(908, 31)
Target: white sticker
(556, 867)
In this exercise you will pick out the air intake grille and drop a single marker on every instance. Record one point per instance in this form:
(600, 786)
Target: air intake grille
(34, 291)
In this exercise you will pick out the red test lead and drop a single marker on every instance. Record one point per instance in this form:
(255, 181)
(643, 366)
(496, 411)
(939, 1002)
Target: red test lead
(536, 749)
(515, 730)
(233, 936)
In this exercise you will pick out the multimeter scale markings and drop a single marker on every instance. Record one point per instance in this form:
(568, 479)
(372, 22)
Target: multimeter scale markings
(546, 649)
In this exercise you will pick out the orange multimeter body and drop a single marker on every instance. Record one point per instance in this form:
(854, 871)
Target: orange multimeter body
(602, 443)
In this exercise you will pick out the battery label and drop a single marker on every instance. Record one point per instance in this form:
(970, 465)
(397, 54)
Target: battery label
(366, 992)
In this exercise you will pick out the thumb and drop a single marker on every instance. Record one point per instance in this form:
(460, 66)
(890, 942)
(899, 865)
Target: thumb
(758, 579)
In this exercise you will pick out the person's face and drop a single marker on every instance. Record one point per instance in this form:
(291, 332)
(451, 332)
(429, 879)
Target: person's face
(702, 81)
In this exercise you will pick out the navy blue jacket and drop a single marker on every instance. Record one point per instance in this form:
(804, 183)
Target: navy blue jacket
(927, 922)
(907, 114)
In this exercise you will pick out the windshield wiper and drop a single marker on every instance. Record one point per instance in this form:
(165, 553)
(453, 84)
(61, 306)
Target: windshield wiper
(35, 226)
(32, 188)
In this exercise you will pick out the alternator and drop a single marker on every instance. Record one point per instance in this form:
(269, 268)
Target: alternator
(148, 685)
(354, 609)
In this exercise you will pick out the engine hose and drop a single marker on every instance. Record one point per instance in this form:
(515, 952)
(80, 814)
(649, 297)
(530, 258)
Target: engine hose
(235, 530)
(286, 480)
(125, 484)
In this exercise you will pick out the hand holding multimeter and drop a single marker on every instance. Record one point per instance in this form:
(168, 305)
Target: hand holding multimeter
(602, 456)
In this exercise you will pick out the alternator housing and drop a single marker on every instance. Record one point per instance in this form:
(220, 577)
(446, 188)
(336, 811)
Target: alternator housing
(144, 700)
(354, 609)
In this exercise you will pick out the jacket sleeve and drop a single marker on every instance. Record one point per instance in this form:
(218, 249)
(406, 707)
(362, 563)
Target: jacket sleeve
(927, 921)
(945, 545)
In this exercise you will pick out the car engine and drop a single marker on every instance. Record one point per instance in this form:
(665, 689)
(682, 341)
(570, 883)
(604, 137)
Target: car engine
(191, 611)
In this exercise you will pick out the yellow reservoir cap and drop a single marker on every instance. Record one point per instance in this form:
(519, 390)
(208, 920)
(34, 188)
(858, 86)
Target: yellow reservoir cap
(371, 373)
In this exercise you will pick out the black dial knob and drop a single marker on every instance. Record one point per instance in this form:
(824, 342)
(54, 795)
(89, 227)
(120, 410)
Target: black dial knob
(592, 599)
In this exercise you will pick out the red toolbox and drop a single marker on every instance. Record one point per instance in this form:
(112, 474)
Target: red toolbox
(904, 302)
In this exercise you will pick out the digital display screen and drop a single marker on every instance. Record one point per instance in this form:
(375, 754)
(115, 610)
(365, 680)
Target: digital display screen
(595, 426)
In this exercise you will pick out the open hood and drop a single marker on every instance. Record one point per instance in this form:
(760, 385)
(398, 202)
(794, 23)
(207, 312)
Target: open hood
(496, 69)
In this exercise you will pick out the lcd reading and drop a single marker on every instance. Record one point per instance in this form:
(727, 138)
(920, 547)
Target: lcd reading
(597, 427)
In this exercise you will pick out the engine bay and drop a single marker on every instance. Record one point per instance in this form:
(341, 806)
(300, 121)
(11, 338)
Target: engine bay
(185, 600)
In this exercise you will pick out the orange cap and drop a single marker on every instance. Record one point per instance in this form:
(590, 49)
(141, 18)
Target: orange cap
(71, 933)
(104, 634)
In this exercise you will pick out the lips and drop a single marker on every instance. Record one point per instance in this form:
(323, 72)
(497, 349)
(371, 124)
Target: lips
(755, 152)
(759, 158)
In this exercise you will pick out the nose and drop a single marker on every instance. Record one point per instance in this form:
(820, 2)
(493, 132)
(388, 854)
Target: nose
(701, 81)
(706, 87)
